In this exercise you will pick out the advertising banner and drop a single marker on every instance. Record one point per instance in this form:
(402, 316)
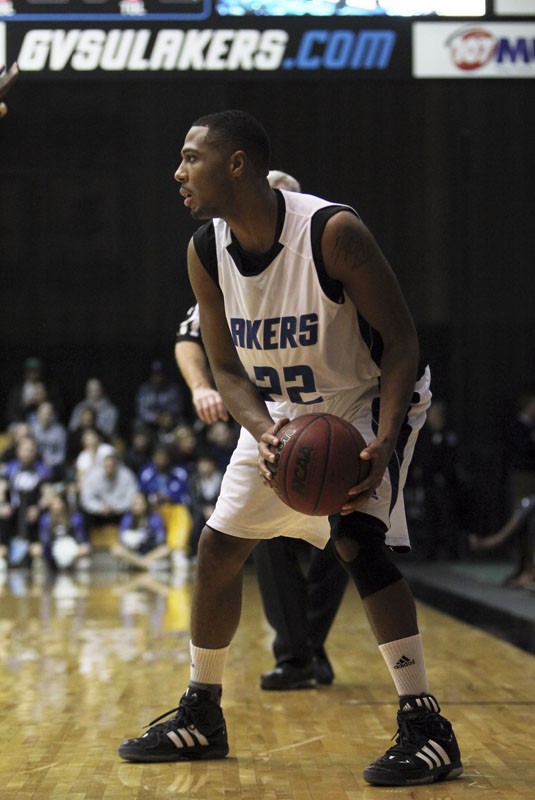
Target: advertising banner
(510, 8)
(234, 46)
(480, 50)
(55, 39)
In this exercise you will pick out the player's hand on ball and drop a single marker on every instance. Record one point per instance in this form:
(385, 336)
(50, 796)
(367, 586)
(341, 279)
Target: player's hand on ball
(266, 451)
(377, 455)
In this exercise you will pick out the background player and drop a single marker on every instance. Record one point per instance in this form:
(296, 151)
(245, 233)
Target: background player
(6, 82)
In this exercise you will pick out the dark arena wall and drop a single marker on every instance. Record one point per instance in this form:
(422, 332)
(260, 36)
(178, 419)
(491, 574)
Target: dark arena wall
(94, 233)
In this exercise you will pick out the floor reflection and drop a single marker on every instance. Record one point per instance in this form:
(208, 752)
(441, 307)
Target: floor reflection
(59, 629)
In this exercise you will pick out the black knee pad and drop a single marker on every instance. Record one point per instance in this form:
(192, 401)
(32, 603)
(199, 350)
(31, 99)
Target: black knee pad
(372, 569)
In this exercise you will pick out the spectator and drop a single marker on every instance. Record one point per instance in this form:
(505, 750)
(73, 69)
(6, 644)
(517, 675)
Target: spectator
(522, 448)
(21, 488)
(93, 452)
(185, 450)
(156, 395)
(16, 431)
(26, 396)
(435, 487)
(62, 536)
(164, 433)
(107, 491)
(106, 413)
(519, 530)
(167, 489)
(139, 450)
(205, 483)
(51, 438)
(142, 537)
(221, 438)
(87, 419)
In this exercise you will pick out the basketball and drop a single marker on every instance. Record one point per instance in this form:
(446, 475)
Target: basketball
(317, 462)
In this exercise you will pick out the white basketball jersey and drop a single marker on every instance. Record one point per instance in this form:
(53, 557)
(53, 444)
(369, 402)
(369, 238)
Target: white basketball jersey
(304, 345)
(295, 342)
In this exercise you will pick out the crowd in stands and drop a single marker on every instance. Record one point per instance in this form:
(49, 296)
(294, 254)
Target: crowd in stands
(70, 483)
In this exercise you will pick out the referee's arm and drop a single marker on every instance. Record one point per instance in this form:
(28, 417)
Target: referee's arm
(193, 365)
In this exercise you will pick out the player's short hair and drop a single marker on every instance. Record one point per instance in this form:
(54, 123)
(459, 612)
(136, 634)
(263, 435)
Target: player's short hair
(238, 130)
(282, 180)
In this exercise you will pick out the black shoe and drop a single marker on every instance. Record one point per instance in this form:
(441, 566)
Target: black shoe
(425, 751)
(197, 731)
(323, 671)
(288, 676)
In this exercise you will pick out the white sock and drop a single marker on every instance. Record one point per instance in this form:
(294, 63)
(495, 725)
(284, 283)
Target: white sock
(207, 666)
(405, 661)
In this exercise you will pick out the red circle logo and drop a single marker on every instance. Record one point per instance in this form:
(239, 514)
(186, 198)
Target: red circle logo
(472, 49)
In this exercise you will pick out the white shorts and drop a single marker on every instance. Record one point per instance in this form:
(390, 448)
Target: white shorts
(249, 510)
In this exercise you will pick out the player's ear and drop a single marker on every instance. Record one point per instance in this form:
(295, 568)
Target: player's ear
(237, 163)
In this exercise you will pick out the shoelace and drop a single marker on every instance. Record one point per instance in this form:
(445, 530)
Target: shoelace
(409, 736)
(184, 718)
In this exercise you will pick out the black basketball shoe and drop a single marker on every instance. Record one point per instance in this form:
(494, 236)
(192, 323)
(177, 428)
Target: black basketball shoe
(425, 751)
(197, 731)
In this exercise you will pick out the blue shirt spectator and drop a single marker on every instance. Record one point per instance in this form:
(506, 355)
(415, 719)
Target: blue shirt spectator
(162, 482)
(62, 534)
(141, 530)
(21, 485)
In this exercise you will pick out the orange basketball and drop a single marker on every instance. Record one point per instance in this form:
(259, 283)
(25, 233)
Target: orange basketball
(317, 463)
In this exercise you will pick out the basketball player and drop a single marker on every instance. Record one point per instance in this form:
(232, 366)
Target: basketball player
(6, 82)
(301, 586)
(300, 313)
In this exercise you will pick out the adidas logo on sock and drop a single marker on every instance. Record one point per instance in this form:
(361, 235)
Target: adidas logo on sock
(404, 661)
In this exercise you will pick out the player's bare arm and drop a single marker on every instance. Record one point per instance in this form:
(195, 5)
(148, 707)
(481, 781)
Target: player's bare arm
(352, 256)
(239, 394)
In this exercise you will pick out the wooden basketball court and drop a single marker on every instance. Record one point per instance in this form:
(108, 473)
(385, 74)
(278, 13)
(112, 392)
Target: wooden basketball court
(86, 661)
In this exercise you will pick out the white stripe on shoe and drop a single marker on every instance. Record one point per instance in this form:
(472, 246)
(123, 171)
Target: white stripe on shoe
(187, 738)
(434, 755)
(425, 759)
(440, 751)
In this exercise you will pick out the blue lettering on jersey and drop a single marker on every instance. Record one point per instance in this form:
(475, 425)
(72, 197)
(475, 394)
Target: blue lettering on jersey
(308, 330)
(274, 333)
(251, 334)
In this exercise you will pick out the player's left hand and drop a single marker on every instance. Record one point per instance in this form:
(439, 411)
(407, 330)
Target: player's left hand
(266, 451)
(377, 455)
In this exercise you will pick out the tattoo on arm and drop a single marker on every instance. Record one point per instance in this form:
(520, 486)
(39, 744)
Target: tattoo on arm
(352, 247)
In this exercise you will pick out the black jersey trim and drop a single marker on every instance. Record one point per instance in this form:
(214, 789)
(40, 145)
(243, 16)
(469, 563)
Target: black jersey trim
(205, 247)
(251, 264)
(372, 338)
(331, 287)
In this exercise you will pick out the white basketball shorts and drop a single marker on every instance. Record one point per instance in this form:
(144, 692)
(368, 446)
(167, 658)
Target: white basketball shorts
(248, 509)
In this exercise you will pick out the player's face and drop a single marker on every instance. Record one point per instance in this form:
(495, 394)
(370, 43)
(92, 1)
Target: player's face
(204, 175)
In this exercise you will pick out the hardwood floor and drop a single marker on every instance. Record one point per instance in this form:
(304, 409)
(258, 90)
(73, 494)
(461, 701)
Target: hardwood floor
(87, 660)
